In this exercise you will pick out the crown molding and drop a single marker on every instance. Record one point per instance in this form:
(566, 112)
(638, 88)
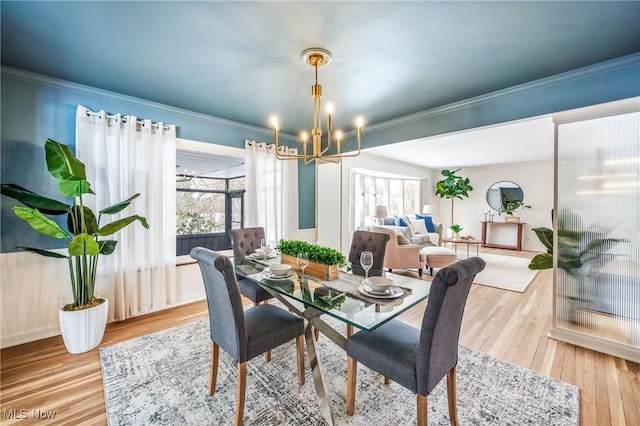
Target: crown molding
(579, 73)
(56, 83)
(576, 74)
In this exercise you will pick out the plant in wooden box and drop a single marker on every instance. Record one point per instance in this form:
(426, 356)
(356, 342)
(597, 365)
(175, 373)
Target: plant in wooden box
(82, 322)
(323, 261)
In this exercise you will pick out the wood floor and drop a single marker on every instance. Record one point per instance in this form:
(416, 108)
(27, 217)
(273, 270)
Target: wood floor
(41, 378)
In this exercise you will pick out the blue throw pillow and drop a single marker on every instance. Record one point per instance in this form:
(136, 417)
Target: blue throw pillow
(400, 222)
(428, 222)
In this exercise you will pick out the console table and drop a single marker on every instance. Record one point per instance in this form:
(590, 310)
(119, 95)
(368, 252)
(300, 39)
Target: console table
(518, 244)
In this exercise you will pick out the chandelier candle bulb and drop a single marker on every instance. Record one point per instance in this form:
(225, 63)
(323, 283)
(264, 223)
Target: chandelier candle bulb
(321, 150)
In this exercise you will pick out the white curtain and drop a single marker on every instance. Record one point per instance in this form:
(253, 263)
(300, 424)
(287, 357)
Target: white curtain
(125, 156)
(271, 187)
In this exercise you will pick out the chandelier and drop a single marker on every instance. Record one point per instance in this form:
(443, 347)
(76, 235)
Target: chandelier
(328, 148)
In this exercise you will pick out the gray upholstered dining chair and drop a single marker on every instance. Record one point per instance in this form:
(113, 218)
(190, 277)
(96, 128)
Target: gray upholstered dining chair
(418, 359)
(242, 334)
(245, 242)
(376, 243)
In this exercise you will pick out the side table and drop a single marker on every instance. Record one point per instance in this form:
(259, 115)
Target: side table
(467, 242)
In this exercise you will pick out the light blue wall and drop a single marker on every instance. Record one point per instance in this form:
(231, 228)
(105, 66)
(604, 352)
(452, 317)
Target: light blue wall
(35, 108)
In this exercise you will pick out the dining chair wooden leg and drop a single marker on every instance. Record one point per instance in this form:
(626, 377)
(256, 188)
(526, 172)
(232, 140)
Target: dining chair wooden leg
(451, 396)
(387, 380)
(213, 377)
(316, 333)
(241, 392)
(422, 403)
(300, 353)
(349, 330)
(352, 369)
(267, 356)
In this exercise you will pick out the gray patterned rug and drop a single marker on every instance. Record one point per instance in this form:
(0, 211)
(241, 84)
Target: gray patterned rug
(162, 378)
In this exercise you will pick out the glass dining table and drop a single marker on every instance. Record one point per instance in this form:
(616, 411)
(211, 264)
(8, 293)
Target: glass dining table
(344, 299)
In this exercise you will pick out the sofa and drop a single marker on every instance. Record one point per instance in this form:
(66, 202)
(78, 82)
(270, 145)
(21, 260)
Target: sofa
(413, 228)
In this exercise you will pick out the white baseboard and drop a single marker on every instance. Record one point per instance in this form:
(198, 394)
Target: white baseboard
(616, 349)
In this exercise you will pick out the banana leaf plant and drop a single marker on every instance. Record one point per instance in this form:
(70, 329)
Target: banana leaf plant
(577, 249)
(84, 234)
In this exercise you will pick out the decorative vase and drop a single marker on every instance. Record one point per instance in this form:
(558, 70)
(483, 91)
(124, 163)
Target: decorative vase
(318, 270)
(83, 330)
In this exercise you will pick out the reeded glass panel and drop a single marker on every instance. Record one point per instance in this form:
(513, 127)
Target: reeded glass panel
(598, 230)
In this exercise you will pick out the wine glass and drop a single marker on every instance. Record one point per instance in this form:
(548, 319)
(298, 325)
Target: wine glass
(366, 261)
(303, 262)
(264, 245)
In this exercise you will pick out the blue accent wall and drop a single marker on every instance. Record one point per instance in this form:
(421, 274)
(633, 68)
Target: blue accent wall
(35, 108)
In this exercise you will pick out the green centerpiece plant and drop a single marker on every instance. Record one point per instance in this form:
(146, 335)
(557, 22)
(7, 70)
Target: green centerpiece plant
(323, 261)
(317, 253)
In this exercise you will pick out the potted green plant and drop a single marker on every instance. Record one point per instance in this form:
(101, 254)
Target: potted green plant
(456, 229)
(82, 322)
(323, 261)
(509, 206)
(452, 187)
(582, 252)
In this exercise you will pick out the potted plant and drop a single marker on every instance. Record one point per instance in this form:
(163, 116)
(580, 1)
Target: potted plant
(456, 229)
(509, 206)
(82, 322)
(453, 186)
(581, 255)
(323, 261)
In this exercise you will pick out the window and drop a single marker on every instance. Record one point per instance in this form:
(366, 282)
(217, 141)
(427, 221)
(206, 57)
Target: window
(206, 211)
(209, 195)
(399, 195)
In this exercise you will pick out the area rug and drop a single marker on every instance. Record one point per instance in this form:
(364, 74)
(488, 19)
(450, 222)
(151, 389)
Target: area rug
(162, 379)
(505, 272)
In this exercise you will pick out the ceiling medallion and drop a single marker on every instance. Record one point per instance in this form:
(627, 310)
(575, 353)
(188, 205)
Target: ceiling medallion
(321, 149)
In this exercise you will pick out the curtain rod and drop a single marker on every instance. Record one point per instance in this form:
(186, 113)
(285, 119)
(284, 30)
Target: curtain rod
(124, 119)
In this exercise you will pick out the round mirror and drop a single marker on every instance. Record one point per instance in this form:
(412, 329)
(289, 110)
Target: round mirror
(505, 196)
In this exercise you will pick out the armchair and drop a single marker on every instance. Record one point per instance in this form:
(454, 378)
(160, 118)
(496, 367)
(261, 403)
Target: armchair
(401, 256)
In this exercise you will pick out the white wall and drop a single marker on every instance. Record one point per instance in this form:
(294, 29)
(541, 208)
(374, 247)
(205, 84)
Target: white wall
(34, 288)
(536, 181)
(370, 162)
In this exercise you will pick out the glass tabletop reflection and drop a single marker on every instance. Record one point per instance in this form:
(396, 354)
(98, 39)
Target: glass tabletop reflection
(344, 298)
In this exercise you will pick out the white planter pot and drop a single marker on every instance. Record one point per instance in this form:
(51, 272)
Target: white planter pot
(83, 330)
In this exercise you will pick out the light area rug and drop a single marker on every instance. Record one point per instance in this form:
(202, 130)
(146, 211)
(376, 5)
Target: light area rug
(505, 272)
(162, 379)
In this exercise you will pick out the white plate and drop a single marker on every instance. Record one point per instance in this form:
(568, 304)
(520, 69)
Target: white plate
(391, 293)
(260, 256)
(270, 275)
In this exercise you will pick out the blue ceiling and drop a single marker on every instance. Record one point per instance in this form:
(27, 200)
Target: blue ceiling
(240, 60)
